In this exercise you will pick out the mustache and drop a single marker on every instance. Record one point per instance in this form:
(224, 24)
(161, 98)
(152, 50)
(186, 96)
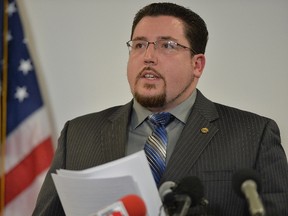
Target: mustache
(149, 69)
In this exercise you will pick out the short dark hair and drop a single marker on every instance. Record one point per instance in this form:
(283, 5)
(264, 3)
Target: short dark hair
(195, 28)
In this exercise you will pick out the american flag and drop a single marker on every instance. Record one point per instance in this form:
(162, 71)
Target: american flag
(26, 144)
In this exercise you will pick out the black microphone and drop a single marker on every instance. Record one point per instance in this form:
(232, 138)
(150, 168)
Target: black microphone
(246, 184)
(178, 198)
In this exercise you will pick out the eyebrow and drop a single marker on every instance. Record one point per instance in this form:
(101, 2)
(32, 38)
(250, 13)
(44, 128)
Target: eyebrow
(140, 38)
(168, 38)
(159, 38)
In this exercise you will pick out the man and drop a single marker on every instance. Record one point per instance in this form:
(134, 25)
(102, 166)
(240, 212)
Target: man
(205, 139)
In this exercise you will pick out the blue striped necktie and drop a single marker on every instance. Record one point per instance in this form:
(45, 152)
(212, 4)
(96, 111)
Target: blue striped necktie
(155, 146)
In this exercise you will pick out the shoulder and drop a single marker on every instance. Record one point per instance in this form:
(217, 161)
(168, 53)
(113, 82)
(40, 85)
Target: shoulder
(246, 120)
(231, 116)
(109, 113)
(230, 112)
(99, 119)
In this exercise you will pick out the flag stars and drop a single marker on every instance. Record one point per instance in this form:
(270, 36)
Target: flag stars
(25, 66)
(9, 36)
(21, 93)
(25, 41)
(11, 9)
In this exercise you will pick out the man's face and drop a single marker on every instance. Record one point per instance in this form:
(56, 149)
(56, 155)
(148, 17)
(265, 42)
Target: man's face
(161, 81)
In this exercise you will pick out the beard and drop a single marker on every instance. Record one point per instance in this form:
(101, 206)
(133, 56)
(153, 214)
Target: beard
(154, 101)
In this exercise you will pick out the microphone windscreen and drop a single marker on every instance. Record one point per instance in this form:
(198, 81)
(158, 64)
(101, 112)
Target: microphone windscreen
(134, 205)
(243, 175)
(193, 187)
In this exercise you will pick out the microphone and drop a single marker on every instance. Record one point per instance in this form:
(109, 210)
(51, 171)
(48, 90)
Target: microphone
(129, 205)
(179, 198)
(246, 184)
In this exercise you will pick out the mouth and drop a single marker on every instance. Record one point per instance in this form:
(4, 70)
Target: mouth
(150, 76)
(150, 73)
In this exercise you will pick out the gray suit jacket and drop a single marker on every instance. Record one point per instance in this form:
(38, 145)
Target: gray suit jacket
(236, 139)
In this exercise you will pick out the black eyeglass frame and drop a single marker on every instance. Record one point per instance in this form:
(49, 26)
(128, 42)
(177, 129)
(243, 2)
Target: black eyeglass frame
(128, 43)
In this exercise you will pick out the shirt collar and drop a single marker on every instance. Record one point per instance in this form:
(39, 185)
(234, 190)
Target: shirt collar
(181, 112)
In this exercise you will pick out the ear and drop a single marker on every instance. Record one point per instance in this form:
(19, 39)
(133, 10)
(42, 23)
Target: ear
(198, 62)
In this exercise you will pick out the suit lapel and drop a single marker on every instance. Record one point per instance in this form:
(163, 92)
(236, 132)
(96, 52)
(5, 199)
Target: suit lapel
(194, 138)
(114, 134)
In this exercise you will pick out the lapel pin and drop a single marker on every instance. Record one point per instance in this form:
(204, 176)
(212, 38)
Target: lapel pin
(204, 130)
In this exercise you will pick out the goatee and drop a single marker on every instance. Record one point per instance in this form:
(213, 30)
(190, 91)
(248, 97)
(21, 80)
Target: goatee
(151, 101)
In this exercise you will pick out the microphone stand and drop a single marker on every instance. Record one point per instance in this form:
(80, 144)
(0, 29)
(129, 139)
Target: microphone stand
(179, 198)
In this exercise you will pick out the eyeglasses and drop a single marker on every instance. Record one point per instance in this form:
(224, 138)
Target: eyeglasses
(163, 46)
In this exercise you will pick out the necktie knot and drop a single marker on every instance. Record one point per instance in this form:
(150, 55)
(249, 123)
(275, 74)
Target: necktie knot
(162, 118)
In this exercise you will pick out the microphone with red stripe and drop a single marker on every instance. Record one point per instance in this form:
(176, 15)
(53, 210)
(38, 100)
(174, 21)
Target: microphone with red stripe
(129, 205)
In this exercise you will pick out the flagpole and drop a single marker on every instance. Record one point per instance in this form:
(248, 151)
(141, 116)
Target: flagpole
(4, 104)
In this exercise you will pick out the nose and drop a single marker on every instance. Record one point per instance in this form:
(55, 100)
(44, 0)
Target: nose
(150, 56)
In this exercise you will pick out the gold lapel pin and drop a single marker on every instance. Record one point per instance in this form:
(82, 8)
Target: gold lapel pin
(204, 130)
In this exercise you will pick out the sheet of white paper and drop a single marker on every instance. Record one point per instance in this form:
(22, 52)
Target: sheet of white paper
(136, 166)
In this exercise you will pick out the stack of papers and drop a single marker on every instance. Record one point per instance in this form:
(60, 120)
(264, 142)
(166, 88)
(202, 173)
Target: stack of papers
(87, 191)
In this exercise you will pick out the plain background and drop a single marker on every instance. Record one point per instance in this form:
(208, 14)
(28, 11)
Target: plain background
(80, 53)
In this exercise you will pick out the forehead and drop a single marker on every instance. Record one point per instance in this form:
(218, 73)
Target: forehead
(160, 26)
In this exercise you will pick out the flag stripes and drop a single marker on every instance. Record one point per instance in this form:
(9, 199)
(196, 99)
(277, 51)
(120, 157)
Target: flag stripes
(27, 170)
(27, 135)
